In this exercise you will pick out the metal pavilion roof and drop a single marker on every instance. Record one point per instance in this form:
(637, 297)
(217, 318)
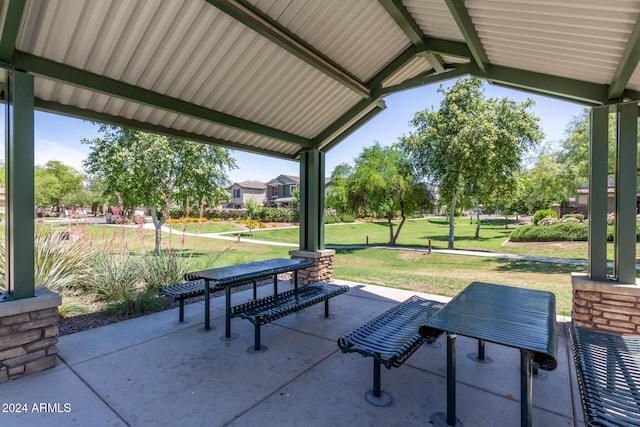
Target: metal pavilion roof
(280, 76)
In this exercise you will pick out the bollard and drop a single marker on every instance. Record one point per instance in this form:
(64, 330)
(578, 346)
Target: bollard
(429, 246)
(367, 241)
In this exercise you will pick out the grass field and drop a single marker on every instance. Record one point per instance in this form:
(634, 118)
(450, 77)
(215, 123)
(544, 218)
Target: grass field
(432, 273)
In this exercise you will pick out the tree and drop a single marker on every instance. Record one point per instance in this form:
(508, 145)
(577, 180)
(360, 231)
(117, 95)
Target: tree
(56, 184)
(471, 146)
(253, 209)
(158, 171)
(382, 182)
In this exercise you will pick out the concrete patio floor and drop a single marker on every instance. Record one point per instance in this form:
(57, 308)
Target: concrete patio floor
(155, 371)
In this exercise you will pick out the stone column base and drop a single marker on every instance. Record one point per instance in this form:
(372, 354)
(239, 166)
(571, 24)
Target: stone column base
(605, 306)
(28, 334)
(322, 268)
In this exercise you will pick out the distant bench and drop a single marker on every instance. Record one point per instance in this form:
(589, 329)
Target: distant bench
(265, 310)
(608, 369)
(391, 338)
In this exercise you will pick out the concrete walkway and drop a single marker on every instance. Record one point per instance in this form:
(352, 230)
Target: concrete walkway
(154, 371)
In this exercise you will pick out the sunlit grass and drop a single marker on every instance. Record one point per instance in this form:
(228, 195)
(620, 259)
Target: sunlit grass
(440, 274)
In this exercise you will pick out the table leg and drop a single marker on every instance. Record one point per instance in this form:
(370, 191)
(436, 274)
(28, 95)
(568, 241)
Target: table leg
(451, 379)
(206, 305)
(227, 309)
(480, 350)
(526, 370)
(275, 284)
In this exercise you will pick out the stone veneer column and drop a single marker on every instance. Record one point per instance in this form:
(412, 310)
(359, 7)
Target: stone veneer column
(605, 306)
(322, 268)
(28, 334)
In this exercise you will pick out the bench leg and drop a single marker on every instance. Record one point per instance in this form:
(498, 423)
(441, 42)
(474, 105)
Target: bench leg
(181, 315)
(255, 290)
(257, 348)
(326, 308)
(377, 397)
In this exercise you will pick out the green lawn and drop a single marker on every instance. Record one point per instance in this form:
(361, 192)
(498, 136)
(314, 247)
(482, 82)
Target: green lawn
(207, 227)
(418, 271)
(417, 233)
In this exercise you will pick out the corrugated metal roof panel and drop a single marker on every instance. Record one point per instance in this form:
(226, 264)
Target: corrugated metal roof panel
(577, 39)
(285, 86)
(416, 66)
(344, 31)
(434, 19)
(69, 95)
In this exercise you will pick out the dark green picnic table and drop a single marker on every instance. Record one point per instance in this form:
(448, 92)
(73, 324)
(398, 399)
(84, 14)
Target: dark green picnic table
(236, 275)
(515, 317)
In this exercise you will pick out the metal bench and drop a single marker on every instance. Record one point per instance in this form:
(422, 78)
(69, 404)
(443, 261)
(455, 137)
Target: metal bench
(391, 338)
(182, 291)
(265, 310)
(608, 368)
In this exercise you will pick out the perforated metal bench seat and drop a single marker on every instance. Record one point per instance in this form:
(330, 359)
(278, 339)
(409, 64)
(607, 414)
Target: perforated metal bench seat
(265, 310)
(391, 338)
(182, 291)
(608, 369)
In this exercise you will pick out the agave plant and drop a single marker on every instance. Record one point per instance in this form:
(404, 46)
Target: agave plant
(115, 276)
(165, 268)
(59, 264)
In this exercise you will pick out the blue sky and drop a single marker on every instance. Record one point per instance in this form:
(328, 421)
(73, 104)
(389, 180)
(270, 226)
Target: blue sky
(58, 137)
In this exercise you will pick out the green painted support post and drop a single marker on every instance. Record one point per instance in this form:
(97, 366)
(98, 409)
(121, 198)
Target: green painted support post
(626, 192)
(598, 175)
(19, 157)
(312, 200)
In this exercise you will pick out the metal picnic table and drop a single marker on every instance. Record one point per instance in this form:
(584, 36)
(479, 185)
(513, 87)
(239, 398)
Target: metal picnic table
(236, 275)
(520, 318)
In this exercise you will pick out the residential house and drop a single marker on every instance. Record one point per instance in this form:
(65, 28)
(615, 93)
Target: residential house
(280, 191)
(582, 198)
(241, 192)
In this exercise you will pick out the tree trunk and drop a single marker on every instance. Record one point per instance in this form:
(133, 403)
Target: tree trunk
(452, 211)
(477, 220)
(506, 221)
(392, 241)
(158, 226)
(250, 226)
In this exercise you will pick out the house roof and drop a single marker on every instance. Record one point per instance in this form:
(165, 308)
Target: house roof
(284, 179)
(281, 76)
(253, 185)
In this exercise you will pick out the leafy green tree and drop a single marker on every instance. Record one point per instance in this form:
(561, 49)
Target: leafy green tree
(158, 171)
(253, 209)
(56, 184)
(471, 147)
(382, 182)
(574, 152)
(336, 197)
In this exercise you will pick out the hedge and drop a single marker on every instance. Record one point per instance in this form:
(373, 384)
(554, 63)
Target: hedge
(559, 232)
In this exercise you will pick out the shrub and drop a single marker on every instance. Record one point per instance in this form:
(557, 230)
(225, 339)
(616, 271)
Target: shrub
(561, 231)
(164, 269)
(115, 276)
(59, 264)
(543, 214)
(347, 218)
(136, 303)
